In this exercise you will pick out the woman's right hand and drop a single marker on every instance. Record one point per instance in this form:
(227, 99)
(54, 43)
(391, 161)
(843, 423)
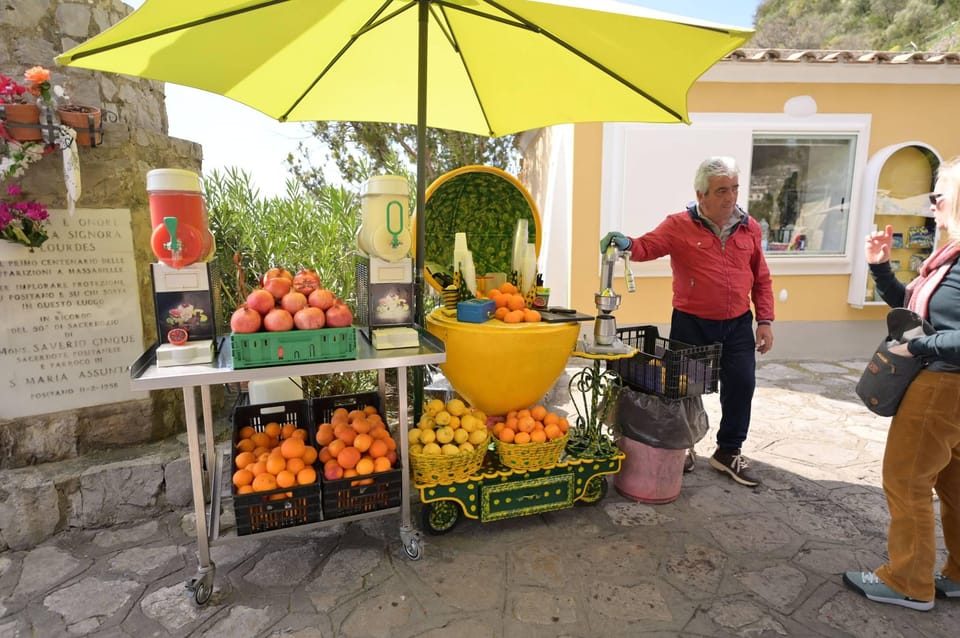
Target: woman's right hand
(877, 248)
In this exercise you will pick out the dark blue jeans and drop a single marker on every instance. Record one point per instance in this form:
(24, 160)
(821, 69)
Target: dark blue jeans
(738, 367)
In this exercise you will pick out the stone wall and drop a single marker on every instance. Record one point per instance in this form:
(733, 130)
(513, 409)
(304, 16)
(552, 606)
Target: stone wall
(113, 176)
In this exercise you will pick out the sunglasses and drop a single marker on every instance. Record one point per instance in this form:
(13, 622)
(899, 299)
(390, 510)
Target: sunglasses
(935, 198)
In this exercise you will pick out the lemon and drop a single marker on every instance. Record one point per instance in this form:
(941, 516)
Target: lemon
(431, 449)
(433, 406)
(480, 416)
(454, 422)
(466, 447)
(460, 436)
(477, 437)
(450, 449)
(444, 435)
(442, 417)
(416, 448)
(468, 422)
(456, 407)
(426, 423)
(427, 436)
(413, 436)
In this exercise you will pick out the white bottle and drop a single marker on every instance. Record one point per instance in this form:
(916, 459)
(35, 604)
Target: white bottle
(519, 246)
(528, 272)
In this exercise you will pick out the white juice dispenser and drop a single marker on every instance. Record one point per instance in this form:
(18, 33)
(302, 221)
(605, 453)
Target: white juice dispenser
(385, 225)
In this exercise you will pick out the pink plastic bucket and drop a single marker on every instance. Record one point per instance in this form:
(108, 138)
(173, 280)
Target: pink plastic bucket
(649, 474)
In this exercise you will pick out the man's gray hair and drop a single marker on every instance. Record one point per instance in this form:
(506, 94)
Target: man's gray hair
(718, 166)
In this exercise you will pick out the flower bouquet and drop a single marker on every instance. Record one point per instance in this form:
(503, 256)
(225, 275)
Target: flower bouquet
(23, 221)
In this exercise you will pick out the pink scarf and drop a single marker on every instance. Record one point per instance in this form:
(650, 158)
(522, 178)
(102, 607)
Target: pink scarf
(932, 272)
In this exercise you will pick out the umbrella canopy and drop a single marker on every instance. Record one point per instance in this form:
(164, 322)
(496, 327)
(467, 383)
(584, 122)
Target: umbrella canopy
(489, 67)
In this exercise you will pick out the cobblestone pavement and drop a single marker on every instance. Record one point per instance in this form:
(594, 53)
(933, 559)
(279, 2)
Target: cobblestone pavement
(720, 560)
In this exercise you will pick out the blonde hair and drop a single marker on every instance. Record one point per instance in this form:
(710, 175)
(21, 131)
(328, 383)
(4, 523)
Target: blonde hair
(949, 176)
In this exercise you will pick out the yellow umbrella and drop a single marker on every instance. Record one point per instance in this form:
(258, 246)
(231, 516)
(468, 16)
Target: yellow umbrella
(489, 67)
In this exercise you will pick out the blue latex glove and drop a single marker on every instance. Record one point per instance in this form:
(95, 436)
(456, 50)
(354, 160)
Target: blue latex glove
(621, 240)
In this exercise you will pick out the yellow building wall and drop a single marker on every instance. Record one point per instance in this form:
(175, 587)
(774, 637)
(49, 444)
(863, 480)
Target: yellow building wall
(900, 113)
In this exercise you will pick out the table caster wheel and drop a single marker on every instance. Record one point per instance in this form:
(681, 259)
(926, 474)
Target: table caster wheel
(440, 517)
(412, 548)
(201, 586)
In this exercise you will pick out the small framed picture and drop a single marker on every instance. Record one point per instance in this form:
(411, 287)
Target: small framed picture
(898, 240)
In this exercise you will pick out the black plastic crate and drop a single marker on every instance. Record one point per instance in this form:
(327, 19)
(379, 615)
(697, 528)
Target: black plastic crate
(666, 368)
(282, 507)
(358, 494)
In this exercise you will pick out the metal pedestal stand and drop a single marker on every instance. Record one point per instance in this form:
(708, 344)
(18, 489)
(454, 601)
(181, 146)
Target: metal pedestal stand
(593, 392)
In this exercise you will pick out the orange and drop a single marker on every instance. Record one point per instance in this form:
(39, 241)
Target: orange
(353, 415)
(292, 448)
(525, 424)
(258, 468)
(276, 464)
(309, 455)
(514, 316)
(264, 482)
(365, 466)
(494, 293)
(259, 451)
(516, 302)
(324, 455)
(260, 439)
(245, 489)
(306, 476)
(363, 442)
(300, 433)
(340, 412)
(324, 433)
(521, 437)
(242, 477)
(350, 473)
(244, 459)
(507, 435)
(531, 316)
(380, 432)
(501, 312)
(335, 446)
(287, 430)
(550, 417)
(272, 430)
(538, 412)
(286, 478)
(245, 445)
(378, 449)
(508, 288)
(499, 425)
(361, 425)
(381, 464)
(369, 409)
(348, 457)
(295, 465)
(501, 301)
(552, 431)
(564, 425)
(331, 471)
(538, 436)
(391, 444)
(246, 432)
(347, 436)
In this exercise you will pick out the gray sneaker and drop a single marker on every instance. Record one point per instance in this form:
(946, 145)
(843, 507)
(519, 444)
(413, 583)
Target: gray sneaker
(869, 585)
(946, 588)
(736, 465)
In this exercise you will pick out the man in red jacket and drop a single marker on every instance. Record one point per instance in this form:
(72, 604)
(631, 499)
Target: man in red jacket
(718, 268)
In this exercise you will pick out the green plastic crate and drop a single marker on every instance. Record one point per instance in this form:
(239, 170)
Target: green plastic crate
(260, 349)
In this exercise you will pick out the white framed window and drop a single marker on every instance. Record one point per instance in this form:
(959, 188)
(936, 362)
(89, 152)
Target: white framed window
(648, 172)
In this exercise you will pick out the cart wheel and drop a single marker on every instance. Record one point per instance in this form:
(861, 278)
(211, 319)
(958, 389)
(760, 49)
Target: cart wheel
(412, 548)
(594, 491)
(202, 593)
(440, 517)
(202, 586)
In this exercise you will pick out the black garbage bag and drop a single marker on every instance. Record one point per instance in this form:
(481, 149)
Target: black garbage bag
(668, 424)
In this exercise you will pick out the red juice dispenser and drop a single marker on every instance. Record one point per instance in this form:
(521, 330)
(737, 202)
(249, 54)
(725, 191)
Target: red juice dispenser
(181, 232)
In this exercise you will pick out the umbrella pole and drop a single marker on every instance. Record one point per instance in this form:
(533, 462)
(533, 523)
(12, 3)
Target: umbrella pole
(420, 241)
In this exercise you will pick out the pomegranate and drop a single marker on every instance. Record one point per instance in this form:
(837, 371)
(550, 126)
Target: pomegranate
(261, 301)
(245, 320)
(278, 320)
(306, 281)
(293, 302)
(278, 287)
(273, 273)
(321, 298)
(339, 315)
(309, 318)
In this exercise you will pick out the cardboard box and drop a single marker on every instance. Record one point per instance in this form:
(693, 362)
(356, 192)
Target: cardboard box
(185, 298)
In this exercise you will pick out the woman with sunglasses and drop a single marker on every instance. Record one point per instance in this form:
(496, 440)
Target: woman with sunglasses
(923, 444)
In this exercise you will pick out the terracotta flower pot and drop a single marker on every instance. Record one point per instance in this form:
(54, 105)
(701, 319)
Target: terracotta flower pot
(16, 115)
(79, 117)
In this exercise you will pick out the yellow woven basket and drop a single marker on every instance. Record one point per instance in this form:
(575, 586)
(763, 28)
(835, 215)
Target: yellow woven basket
(428, 469)
(531, 456)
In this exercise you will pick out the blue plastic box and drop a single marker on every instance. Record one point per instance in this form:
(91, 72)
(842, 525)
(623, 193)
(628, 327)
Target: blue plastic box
(475, 310)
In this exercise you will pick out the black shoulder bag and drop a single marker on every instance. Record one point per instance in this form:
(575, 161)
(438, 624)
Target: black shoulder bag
(887, 376)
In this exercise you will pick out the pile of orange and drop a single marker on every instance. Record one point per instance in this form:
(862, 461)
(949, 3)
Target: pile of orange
(355, 443)
(511, 305)
(533, 425)
(278, 457)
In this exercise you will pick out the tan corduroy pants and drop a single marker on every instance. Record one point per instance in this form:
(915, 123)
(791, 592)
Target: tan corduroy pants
(922, 455)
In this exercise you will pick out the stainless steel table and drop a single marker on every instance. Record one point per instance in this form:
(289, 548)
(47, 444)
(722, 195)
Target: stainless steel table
(145, 375)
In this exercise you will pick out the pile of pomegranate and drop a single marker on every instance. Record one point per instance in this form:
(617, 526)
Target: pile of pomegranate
(286, 302)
